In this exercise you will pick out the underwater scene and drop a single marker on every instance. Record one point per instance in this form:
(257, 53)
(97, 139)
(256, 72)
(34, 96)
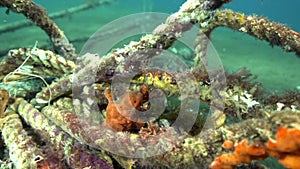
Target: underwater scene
(149, 84)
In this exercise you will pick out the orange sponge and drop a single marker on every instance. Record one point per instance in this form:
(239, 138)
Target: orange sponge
(286, 149)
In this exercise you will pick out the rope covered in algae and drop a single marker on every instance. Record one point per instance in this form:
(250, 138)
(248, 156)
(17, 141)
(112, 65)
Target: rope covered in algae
(259, 27)
(75, 153)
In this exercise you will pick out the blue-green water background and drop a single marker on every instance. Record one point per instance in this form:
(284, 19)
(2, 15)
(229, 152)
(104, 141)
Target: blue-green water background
(277, 70)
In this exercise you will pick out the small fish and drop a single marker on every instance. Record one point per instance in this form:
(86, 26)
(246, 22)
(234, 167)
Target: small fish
(7, 11)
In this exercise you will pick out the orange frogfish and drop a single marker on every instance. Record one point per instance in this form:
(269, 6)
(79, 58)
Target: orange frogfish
(118, 115)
